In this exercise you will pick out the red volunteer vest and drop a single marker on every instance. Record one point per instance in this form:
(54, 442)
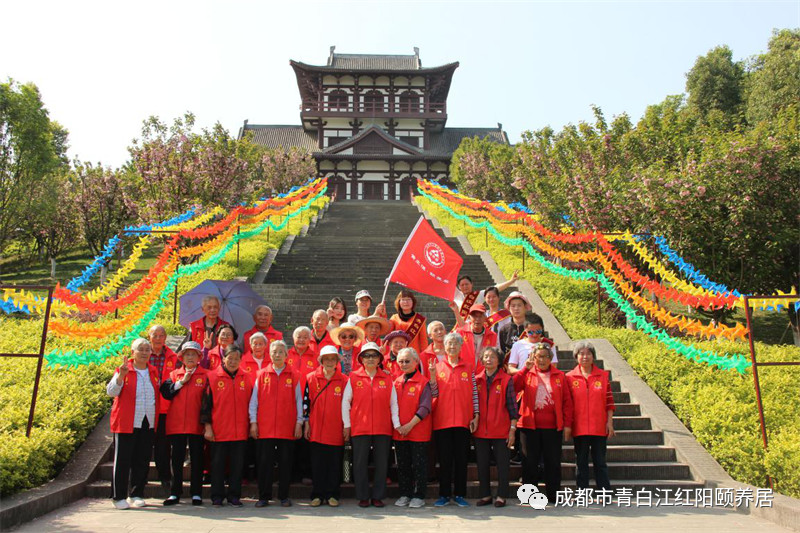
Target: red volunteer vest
(494, 421)
(391, 367)
(302, 363)
(170, 364)
(526, 382)
(250, 367)
(198, 329)
(468, 348)
(270, 333)
(325, 341)
(591, 399)
(124, 406)
(229, 416)
(371, 407)
(453, 407)
(325, 398)
(214, 357)
(277, 407)
(408, 395)
(183, 417)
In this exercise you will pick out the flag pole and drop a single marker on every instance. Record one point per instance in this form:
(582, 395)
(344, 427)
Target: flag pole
(396, 261)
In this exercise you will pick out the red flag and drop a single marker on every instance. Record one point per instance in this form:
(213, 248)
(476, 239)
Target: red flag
(426, 264)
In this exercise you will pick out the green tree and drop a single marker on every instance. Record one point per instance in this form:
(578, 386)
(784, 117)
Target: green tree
(31, 148)
(715, 83)
(774, 78)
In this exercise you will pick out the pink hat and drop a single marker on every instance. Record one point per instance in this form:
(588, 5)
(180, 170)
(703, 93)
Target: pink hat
(517, 294)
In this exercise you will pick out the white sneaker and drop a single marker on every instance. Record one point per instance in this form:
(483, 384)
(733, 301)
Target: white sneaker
(137, 502)
(121, 504)
(416, 503)
(402, 501)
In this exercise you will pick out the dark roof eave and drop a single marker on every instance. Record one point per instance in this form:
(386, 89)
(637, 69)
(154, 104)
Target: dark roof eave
(388, 157)
(332, 70)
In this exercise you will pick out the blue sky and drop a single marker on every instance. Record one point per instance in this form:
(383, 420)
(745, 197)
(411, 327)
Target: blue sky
(103, 67)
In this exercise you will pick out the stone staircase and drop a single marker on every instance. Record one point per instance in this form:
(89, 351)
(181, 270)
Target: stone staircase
(354, 247)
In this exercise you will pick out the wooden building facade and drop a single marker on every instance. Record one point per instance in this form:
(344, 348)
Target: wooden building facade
(374, 123)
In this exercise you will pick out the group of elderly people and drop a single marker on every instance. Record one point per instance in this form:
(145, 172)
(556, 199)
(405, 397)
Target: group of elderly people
(370, 382)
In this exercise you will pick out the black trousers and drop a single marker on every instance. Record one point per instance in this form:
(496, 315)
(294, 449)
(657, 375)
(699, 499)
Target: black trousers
(326, 470)
(267, 452)
(132, 453)
(380, 445)
(597, 445)
(161, 449)
(452, 446)
(178, 444)
(484, 449)
(542, 444)
(412, 468)
(231, 454)
(302, 460)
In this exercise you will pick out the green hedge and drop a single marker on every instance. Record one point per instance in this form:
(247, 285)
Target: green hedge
(719, 407)
(71, 401)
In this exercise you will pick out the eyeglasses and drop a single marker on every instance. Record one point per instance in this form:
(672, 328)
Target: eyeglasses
(370, 355)
(347, 337)
(535, 332)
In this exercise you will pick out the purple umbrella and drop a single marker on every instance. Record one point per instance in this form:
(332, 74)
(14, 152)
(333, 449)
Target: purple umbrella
(237, 301)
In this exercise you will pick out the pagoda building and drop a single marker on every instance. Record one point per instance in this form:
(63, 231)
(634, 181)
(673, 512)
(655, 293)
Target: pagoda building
(373, 123)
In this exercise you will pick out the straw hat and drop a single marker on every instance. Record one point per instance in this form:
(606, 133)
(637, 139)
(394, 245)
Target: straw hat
(347, 326)
(385, 325)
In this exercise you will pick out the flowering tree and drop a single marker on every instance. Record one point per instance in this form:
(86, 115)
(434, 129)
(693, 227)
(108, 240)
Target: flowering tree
(102, 202)
(483, 168)
(278, 170)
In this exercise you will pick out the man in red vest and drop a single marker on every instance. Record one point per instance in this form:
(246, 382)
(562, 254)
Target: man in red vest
(263, 324)
(476, 337)
(209, 325)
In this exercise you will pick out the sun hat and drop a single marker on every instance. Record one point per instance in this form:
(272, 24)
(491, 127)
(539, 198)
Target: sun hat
(386, 326)
(328, 349)
(347, 326)
(517, 294)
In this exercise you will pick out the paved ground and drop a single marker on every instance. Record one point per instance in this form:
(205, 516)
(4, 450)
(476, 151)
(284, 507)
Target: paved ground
(98, 516)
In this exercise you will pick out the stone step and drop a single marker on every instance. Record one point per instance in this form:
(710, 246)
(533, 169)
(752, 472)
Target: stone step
(619, 470)
(299, 492)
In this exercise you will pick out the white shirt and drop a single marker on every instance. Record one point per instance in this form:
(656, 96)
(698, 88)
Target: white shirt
(145, 397)
(520, 351)
(347, 399)
(460, 297)
(355, 318)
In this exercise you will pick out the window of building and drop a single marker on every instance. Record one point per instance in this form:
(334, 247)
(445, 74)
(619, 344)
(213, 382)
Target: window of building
(337, 100)
(413, 141)
(373, 102)
(409, 102)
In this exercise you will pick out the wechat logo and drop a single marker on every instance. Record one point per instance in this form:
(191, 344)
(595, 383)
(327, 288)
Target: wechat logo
(530, 495)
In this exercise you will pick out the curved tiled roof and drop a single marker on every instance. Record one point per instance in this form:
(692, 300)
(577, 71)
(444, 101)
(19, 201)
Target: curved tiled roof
(375, 62)
(441, 144)
(282, 136)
